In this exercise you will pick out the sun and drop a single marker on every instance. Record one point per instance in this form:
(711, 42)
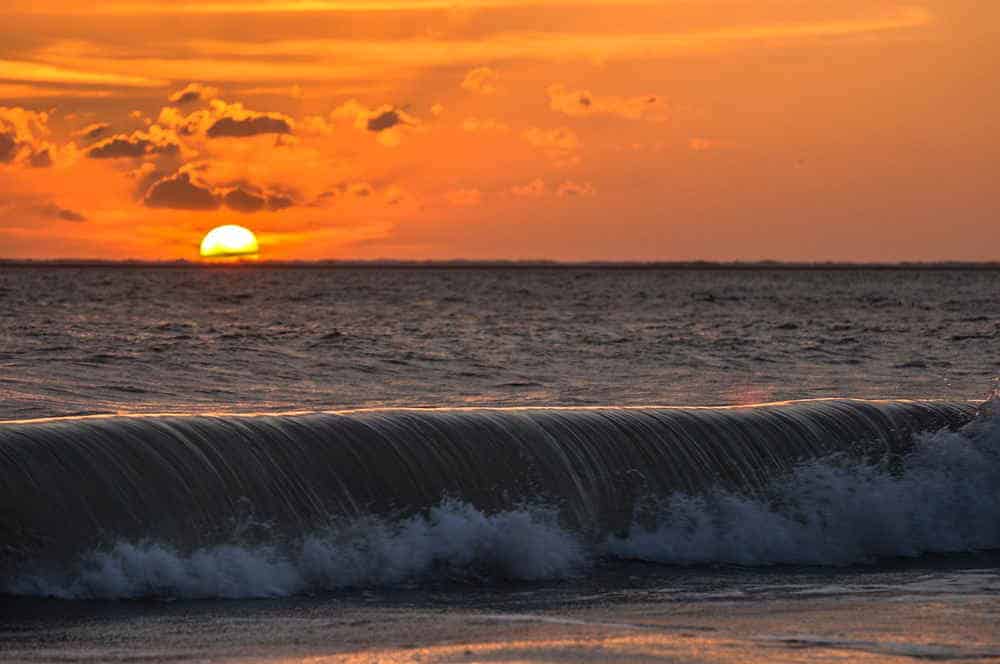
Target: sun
(229, 240)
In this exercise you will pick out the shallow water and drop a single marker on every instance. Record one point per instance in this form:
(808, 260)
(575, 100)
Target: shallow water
(935, 609)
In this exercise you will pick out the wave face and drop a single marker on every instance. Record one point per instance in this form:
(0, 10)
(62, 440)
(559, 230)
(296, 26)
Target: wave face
(237, 506)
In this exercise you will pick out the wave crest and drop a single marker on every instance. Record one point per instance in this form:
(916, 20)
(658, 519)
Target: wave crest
(938, 494)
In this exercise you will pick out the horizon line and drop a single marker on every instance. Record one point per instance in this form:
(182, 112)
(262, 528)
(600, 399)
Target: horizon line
(498, 264)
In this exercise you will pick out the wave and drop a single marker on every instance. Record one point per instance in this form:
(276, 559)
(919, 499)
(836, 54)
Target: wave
(249, 506)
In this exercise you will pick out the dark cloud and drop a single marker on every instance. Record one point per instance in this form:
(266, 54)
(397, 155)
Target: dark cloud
(133, 146)
(279, 202)
(11, 148)
(179, 193)
(55, 212)
(146, 179)
(93, 131)
(185, 97)
(8, 148)
(41, 159)
(243, 201)
(69, 215)
(384, 120)
(119, 147)
(193, 92)
(22, 135)
(251, 126)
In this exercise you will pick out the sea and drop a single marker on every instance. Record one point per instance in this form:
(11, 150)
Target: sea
(499, 463)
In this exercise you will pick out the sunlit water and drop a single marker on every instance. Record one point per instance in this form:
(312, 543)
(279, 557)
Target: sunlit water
(834, 557)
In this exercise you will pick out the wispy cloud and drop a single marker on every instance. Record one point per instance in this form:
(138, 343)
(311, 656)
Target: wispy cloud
(262, 61)
(139, 7)
(18, 70)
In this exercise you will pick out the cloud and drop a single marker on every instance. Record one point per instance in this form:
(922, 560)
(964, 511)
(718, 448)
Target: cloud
(580, 103)
(394, 195)
(232, 58)
(484, 124)
(145, 176)
(384, 120)
(22, 135)
(248, 202)
(289, 91)
(483, 81)
(464, 197)
(53, 211)
(193, 92)
(698, 144)
(534, 189)
(388, 122)
(136, 145)
(225, 120)
(244, 201)
(250, 126)
(561, 145)
(380, 118)
(178, 192)
(8, 148)
(46, 91)
(92, 131)
(41, 159)
(354, 189)
(276, 202)
(568, 189)
(25, 210)
(573, 189)
(231, 7)
(35, 72)
(360, 189)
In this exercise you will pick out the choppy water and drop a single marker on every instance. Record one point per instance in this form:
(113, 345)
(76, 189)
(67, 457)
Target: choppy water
(103, 340)
(530, 530)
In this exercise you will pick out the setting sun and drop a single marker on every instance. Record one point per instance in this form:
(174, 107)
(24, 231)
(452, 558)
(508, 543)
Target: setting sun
(229, 240)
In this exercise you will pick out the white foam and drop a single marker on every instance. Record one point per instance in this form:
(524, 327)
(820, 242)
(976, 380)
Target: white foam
(944, 497)
(453, 540)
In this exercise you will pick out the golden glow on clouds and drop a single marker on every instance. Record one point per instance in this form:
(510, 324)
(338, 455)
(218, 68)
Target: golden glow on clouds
(127, 7)
(13, 70)
(574, 129)
(558, 46)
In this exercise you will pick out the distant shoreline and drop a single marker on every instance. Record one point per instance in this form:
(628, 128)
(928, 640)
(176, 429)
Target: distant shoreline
(502, 264)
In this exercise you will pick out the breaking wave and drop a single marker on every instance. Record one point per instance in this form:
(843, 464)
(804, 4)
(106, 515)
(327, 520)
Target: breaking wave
(483, 495)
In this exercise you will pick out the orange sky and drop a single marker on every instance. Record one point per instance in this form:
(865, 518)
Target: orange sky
(563, 129)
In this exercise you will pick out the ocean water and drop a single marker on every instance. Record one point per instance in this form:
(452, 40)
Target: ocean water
(454, 465)
(145, 340)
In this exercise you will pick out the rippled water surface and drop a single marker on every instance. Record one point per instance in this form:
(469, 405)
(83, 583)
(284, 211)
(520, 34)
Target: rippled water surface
(77, 340)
